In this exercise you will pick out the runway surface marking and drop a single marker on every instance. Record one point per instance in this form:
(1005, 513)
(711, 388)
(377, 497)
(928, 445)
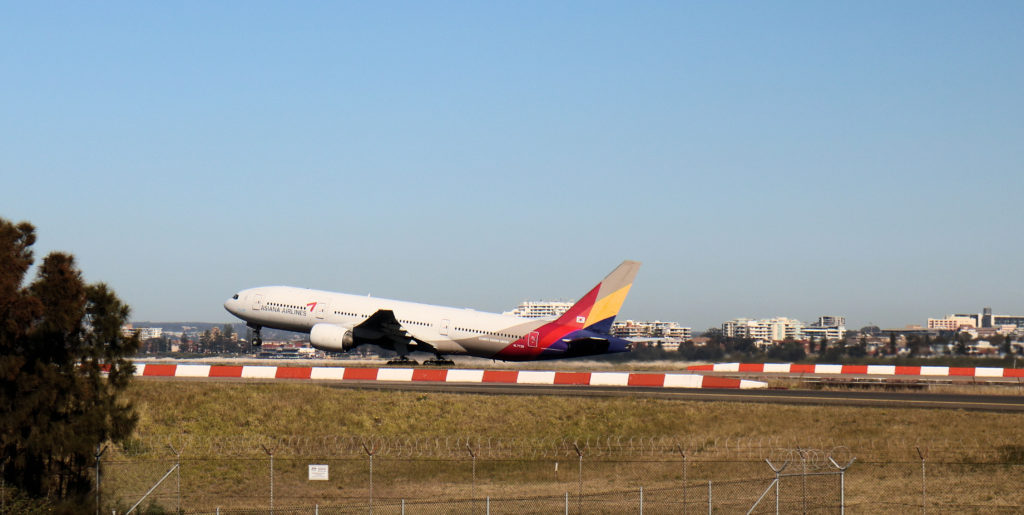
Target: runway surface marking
(443, 375)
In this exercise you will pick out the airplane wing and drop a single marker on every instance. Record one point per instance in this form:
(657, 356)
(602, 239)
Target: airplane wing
(383, 329)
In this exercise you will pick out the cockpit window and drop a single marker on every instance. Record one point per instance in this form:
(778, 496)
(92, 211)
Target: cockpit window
(235, 297)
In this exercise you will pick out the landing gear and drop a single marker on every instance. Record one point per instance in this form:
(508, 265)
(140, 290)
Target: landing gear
(439, 361)
(402, 348)
(403, 360)
(255, 338)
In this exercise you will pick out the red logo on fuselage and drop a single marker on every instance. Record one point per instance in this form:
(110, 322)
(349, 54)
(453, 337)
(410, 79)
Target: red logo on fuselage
(311, 306)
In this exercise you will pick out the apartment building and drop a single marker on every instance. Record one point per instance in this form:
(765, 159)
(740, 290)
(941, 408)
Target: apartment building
(655, 329)
(827, 327)
(764, 330)
(540, 309)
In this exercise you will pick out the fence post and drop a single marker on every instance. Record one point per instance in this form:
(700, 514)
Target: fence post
(641, 500)
(803, 479)
(177, 475)
(924, 496)
(472, 454)
(99, 453)
(683, 453)
(842, 483)
(270, 452)
(709, 497)
(370, 451)
(778, 472)
(579, 495)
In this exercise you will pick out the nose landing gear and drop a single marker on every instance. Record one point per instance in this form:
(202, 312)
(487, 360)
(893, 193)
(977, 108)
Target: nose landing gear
(254, 335)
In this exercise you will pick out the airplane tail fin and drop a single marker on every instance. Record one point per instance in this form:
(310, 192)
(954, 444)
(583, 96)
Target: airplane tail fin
(597, 309)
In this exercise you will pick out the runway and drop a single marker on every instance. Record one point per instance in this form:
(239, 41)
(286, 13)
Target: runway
(897, 373)
(997, 403)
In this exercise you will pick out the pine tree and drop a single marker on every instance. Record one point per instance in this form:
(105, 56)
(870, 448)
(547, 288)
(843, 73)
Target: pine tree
(63, 367)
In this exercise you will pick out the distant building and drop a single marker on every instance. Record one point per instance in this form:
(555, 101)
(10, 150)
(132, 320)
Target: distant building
(952, 323)
(829, 333)
(984, 320)
(830, 321)
(659, 343)
(828, 327)
(871, 330)
(981, 348)
(540, 309)
(747, 328)
(655, 329)
(145, 333)
(670, 330)
(987, 319)
(148, 333)
(764, 330)
(288, 351)
(777, 329)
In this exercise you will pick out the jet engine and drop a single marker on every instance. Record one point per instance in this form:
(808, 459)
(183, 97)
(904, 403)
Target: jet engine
(331, 337)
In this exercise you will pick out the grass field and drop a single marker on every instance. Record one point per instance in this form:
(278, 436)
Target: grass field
(723, 441)
(268, 409)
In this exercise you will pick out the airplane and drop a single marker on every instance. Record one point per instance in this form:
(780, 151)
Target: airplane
(340, 322)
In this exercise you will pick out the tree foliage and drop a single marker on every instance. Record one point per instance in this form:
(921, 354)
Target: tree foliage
(787, 351)
(63, 366)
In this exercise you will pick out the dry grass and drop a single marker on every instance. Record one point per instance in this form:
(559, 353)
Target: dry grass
(261, 411)
(264, 408)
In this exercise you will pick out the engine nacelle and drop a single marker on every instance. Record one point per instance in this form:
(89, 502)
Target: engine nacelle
(331, 337)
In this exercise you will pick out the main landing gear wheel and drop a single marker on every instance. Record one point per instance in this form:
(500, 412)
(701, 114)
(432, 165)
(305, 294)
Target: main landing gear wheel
(403, 360)
(439, 361)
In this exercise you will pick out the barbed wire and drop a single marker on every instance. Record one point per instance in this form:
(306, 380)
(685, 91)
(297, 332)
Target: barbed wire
(189, 446)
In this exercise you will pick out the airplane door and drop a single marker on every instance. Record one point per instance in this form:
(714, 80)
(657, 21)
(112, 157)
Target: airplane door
(531, 339)
(257, 303)
(445, 324)
(321, 310)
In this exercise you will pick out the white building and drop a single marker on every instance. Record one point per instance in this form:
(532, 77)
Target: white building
(656, 329)
(145, 333)
(746, 328)
(670, 330)
(829, 327)
(540, 309)
(952, 323)
(764, 330)
(830, 321)
(830, 333)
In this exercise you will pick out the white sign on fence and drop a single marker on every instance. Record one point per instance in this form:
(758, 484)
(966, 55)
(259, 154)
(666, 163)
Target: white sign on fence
(318, 472)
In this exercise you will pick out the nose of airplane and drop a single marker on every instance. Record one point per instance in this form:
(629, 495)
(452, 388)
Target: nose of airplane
(232, 305)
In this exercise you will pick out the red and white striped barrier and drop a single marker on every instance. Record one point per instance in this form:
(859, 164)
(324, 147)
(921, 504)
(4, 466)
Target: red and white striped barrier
(442, 375)
(881, 370)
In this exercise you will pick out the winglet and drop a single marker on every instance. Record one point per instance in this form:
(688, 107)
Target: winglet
(600, 306)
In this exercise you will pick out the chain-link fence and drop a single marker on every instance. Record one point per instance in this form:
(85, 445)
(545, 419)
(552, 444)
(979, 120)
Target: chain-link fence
(608, 475)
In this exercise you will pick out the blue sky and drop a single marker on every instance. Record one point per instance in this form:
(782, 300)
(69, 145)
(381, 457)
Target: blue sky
(761, 158)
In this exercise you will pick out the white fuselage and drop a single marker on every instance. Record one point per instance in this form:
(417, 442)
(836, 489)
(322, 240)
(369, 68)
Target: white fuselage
(448, 330)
